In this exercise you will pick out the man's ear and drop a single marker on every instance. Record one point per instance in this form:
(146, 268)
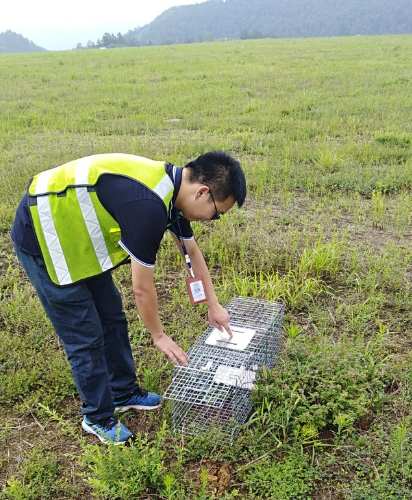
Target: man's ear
(202, 190)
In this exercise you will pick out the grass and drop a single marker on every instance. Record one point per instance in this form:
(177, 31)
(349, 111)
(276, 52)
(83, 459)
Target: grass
(322, 129)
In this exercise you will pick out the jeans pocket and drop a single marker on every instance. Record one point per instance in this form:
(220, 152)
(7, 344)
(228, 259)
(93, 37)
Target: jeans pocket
(38, 259)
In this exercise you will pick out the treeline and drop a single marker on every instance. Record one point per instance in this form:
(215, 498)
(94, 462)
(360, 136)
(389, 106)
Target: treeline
(108, 41)
(11, 42)
(234, 19)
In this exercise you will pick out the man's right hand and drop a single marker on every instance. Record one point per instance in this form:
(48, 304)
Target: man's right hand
(146, 301)
(172, 350)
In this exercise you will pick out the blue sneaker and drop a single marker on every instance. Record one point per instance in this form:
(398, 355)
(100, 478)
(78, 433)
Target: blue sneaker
(108, 430)
(139, 400)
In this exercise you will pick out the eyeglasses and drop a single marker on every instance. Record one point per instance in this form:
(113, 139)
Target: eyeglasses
(217, 214)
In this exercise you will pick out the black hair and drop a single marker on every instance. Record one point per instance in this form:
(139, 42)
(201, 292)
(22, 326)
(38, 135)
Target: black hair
(221, 173)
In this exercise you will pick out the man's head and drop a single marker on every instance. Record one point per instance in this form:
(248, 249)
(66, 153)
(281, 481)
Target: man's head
(211, 185)
(221, 173)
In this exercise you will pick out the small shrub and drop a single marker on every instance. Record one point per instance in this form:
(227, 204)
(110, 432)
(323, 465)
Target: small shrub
(388, 474)
(317, 385)
(40, 477)
(119, 472)
(288, 479)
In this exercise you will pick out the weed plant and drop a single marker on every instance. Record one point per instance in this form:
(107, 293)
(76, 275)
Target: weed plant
(313, 388)
(287, 478)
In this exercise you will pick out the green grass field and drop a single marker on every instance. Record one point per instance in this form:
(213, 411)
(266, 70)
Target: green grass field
(322, 128)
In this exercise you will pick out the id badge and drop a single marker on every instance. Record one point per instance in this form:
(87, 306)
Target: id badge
(197, 290)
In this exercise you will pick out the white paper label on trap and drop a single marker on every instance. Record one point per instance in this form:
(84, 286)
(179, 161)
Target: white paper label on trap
(238, 377)
(207, 366)
(240, 340)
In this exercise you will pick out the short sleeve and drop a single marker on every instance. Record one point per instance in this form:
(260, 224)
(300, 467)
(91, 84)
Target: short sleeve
(142, 225)
(140, 213)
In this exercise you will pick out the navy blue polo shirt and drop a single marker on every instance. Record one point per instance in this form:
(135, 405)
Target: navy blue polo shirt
(140, 213)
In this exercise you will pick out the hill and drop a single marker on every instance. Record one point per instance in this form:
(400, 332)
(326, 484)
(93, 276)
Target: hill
(218, 19)
(11, 42)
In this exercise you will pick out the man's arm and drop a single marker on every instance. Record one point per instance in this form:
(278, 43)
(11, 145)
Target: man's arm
(146, 300)
(218, 316)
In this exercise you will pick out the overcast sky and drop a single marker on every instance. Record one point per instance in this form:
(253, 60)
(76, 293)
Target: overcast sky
(57, 25)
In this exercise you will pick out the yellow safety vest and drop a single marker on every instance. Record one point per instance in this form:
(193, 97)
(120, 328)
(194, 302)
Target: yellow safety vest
(78, 238)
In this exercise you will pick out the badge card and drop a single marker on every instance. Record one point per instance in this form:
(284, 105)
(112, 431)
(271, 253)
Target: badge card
(197, 290)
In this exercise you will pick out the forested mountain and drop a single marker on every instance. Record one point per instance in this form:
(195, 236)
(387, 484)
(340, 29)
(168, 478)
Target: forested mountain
(14, 42)
(217, 19)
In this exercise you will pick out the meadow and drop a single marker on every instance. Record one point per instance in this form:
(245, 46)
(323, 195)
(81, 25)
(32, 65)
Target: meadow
(322, 128)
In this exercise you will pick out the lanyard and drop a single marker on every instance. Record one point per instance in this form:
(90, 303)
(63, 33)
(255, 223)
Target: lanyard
(195, 284)
(187, 258)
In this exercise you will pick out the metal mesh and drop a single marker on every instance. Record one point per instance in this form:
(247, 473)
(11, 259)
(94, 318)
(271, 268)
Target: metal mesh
(213, 393)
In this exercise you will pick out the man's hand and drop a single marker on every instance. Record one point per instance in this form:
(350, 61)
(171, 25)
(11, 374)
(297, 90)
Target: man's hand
(146, 301)
(172, 350)
(219, 317)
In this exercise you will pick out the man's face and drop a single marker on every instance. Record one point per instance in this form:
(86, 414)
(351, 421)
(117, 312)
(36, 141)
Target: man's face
(203, 207)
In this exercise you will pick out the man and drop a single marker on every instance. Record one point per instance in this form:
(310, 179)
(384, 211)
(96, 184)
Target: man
(79, 221)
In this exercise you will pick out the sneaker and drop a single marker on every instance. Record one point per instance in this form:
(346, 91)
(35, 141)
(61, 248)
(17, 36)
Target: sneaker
(108, 430)
(140, 400)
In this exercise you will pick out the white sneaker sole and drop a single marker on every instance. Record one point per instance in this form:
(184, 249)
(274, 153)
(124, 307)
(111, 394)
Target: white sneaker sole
(122, 409)
(88, 429)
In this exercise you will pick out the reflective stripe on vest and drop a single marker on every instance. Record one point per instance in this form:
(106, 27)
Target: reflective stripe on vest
(90, 216)
(68, 216)
(50, 233)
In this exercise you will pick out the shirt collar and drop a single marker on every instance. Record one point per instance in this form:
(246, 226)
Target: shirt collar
(175, 174)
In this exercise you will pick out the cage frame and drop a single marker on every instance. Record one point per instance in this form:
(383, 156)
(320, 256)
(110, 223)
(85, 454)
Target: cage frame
(213, 392)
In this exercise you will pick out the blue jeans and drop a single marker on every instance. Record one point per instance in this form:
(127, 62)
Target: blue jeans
(89, 319)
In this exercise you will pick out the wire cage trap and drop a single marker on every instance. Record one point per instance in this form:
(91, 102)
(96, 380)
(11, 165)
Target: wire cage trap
(213, 393)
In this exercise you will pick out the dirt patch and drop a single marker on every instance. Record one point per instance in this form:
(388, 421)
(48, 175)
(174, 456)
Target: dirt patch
(327, 493)
(327, 435)
(218, 475)
(364, 422)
